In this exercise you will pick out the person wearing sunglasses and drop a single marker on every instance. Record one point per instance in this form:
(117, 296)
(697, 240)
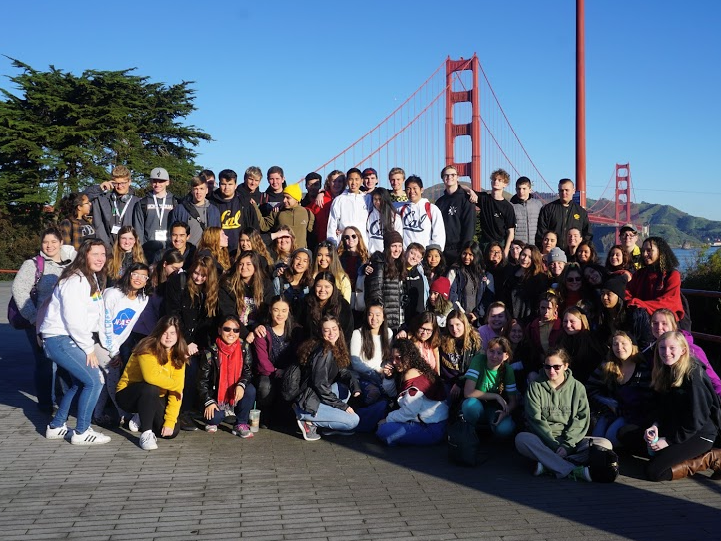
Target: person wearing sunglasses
(224, 384)
(558, 417)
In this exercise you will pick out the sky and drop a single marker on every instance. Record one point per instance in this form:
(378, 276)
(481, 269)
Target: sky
(293, 83)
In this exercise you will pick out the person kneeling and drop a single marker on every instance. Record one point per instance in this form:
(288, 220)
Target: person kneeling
(558, 417)
(224, 384)
(422, 410)
(152, 383)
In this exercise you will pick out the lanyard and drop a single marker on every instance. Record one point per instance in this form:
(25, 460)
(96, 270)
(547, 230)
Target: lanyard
(125, 208)
(159, 212)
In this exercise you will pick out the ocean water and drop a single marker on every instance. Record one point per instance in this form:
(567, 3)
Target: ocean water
(686, 258)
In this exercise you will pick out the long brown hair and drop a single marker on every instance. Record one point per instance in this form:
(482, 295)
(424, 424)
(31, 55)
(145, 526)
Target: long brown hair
(80, 266)
(339, 350)
(257, 244)
(211, 241)
(611, 369)
(115, 262)
(361, 250)
(150, 345)
(434, 339)
(367, 345)
(471, 339)
(235, 283)
(536, 262)
(209, 289)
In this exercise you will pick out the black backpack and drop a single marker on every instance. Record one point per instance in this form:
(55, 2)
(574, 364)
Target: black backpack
(290, 385)
(603, 464)
(463, 443)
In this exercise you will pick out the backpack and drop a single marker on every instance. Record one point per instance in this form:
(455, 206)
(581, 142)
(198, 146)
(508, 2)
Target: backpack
(428, 210)
(463, 443)
(358, 301)
(15, 318)
(602, 464)
(291, 382)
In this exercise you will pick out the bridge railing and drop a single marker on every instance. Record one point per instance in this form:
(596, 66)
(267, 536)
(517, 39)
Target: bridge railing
(707, 295)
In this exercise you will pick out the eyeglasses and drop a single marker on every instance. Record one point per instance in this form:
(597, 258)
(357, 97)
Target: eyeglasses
(425, 330)
(573, 279)
(122, 183)
(556, 367)
(348, 237)
(235, 330)
(138, 276)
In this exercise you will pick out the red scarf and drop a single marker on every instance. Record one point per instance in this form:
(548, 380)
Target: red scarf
(230, 361)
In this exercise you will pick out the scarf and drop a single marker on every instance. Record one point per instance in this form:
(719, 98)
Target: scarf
(230, 365)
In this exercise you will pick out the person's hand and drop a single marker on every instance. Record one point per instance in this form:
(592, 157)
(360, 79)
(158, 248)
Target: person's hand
(115, 361)
(210, 411)
(350, 410)
(239, 393)
(192, 348)
(502, 403)
(662, 443)
(260, 331)
(561, 451)
(402, 334)
(319, 199)
(250, 338)
(472, 197)
(650, 434)
(166, 431)
(91, 360)
(472, 318)
(276, 209)
(500, 415)
(455, 391)
(369, 270)
(107, 186)
(388, 370)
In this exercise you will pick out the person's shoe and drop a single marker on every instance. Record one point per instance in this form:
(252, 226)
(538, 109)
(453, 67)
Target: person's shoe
(89, 437)
(104, 421)
(134, 423)
(243, 431)
(148, 441)
(580, 473)
(58, 433)
(332, 432)
(211, 429)
(187, 423)
(710, 460)
(309, 431)
(540, 469)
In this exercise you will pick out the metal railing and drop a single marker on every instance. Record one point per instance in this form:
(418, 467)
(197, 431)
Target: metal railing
(707, 295)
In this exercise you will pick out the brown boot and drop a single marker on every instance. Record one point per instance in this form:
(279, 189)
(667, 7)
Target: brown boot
(709, 460)
(715, 463)
(679, 471)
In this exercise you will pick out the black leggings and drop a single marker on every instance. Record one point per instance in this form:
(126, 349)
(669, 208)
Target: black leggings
(145, 399)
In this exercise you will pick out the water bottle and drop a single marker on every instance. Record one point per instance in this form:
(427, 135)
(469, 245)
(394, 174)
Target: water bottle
(651, 452)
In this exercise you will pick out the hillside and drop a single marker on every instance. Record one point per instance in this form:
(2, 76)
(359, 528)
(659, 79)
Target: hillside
(664, 221)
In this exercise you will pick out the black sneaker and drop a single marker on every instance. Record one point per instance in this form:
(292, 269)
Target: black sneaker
(187, 423)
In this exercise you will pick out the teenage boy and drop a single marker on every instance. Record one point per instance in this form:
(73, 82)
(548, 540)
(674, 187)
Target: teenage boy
(527, 207)
(459, 214)
(249, 189)
(496, 216)
(298, 218)
(422, 220)
(396, 179)
(179, 232)
(629, 240)
(150, 215)
(370, 179)
(196, 211)
(312, 188)
(416, 283)
(573, 239)
(273, 197)
(113, 204)
(234, 214)
(349, 208)
(563, 214)
(209, 177)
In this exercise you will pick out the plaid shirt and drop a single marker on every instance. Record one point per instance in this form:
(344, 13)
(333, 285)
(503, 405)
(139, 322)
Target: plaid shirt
(76, 231)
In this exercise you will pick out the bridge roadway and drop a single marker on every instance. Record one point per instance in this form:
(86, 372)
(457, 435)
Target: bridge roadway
(277, 486)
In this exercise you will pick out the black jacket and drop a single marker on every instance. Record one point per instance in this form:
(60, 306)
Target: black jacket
(391, 292)
(227, 307)
(555, 217)
(318, 376)
(104, 204)
(195, 325)
(309, 327)
(209, 374)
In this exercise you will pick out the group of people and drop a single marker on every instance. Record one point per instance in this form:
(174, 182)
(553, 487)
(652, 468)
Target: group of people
(356, 308)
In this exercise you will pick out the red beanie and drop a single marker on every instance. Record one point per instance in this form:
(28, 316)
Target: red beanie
(442, 286)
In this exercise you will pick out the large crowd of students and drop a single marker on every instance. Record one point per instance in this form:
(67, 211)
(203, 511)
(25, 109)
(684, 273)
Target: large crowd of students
(356, 308)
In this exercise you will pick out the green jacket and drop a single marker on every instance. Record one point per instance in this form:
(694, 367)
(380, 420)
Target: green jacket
(561, 416)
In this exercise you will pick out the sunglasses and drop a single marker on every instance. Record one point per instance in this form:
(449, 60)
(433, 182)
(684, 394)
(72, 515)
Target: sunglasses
(573, 279)
(235, 330)
(348, 237)
(556, 367)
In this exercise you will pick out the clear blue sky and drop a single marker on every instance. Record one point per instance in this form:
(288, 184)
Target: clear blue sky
(292, 83)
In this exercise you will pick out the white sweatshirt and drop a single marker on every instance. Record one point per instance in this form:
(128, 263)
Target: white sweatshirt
(348, 209)
(120, 316)
(73, 312)
(374, 230)
(417, 227)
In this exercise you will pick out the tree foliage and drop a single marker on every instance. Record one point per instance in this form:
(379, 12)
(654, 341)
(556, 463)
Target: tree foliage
(60, 132)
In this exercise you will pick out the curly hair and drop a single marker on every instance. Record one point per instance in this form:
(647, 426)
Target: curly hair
(208, 289)
(211, 241)
(667, 260)
(410, 358)
(316, 344)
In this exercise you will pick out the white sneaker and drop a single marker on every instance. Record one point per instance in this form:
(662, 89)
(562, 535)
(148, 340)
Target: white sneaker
(134, 423)
(58, 433)
(148, 441)
(89, 437)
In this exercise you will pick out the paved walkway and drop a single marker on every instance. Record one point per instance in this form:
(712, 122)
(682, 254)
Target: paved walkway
(277, 486)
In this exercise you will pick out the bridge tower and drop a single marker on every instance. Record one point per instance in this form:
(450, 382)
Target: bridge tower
(470, 169)
(623, 194)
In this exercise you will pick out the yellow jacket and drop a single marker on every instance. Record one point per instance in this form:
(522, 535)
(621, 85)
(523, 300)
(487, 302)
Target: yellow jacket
(169, 379)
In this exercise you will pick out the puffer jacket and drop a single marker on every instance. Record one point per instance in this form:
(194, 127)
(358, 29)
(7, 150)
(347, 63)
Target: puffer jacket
(391, 292)
(526, 217)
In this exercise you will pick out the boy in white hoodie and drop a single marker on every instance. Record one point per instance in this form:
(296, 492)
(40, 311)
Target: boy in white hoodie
(422, 220)
(349, 208)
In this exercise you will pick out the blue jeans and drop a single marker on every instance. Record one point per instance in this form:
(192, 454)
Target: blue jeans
(241, 409)
(330, 417)
(411, 433)
(477, 411)
(65, 353)
(607, 427)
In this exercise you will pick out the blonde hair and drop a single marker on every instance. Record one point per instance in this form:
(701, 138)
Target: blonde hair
(211, 241)
(663, 377)
(120, 171)
(611, 369)
(576, 312)
(115, 261)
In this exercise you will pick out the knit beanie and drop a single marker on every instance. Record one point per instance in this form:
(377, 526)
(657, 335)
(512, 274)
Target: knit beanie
(442, 286)
(294, 191)
(391, 237)
(617, 284)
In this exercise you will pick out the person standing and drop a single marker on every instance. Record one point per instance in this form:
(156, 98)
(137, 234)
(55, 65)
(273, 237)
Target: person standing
(422, 220)
(196, 211)
(496, 216)
(458, 213)
(150, 215)
(234, 215)
(396, 179)
(527, 207)
(349, 209)
(113, 203)
(629, 240)
(563, 214)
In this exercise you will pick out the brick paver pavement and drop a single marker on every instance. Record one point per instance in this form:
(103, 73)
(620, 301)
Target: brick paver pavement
(277, 486)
